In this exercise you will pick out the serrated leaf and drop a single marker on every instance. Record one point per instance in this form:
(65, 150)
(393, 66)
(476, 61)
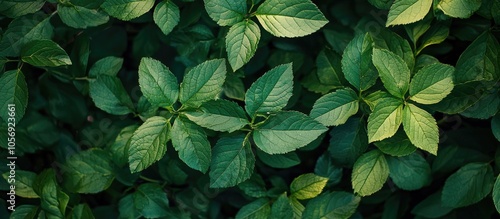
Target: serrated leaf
(410, 172)
(232, 162)
(241, 43)
(286, 132)
(436, 34)
(226, 12)
(329, 71)
(23, 182)
(89, 171)
(385, 119)
(127, 9)
(106, 66)
(431, 207)
(158, 84)
(259, 208)
(348, 142)
(16, 8)
(297, 207)
(407, 11)
(290, 18)
(219, 115)
(335, 108)
(421, 128)
(53, 200)
(469, 185)
(386, 39)
(397, 145)
(282, 208)
(14, 91)
(496, 194)
(191, 142)
(148, 144)
(459, 8)
(82, 211)
(127, 208)
(203, 82)
(271, 92)
(486, 106)
(341, 205)
(254, 187)
(119, 148)
(432, 83)
(325, 167)
(25, 212)
(151, 200)
(81, 17)
(166, 16)
(109, 94)
(393, 71)
(307, 186)
(279, 160)
(369, 173)
(357, 62)
(44, 53)
(452, 157)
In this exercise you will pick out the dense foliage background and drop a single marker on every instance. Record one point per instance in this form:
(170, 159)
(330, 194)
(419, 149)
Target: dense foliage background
(250, 109)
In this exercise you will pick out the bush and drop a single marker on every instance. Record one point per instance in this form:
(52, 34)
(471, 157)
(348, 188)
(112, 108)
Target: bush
(250, 109)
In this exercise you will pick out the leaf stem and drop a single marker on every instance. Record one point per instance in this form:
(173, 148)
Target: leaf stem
(149, 179)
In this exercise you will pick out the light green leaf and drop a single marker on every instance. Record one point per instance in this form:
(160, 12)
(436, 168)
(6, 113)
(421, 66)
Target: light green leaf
(106, 66)
(348, 142)
(335, 108)
(407, 11)
(151, 200)
(232, 162)
(108, 94)
(226, 12)
(410, 172)
(23, 182)
(44, 53)
(166, 15)
(16, 8)
(459, 8)
(385, 119)
(416, 30)
(271, 92)
(392, 70)
(88, 171)
(282, 208)
(376, 97)
(80, 17)
(279, 160)
(297, 207)
(148, 143)
(14, 90)
(82, 211)
(432, 83)
(219, 115)
(203, 82)
(127, 9)
(23, 30)
(341, 205)
(421, 128)
(191, 142)
(259, 208)
(369, 173)
(431, 207)
(329, 71)
(158, 84)
(357, 62)
(241, 43)
(397, 145)
(469, 185)
(290, 18)
(386, 39)
(496, 194)
(287, 131)
(307, 186)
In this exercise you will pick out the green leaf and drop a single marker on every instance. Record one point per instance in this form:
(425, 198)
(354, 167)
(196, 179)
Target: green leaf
(81, 17)
(23, 30)
(286, 131)
(325, 167)
(109, 95)
(106, 66)
(486, 106)
(369, 173)
(397, 145)
(226, 13)
(436, 34)
(469, 185)
(127, 209)
(14, 90)
(232, 162)
(44, 53)
(459, 8)
(421, 128)
(282, 208)
(376, 97)
(166, 15)
(259, 208)
(241, 43)
(191, 142)
(385, 119)
(416, 30)
(158, 84)
(203, 82)
(340, 205)
(219, 115)
(89, 171)
(25, 212)
(127, 9)
(279, 160)
(329, 72)
(271, 92)
(53, 200)
(495, 126)
(410, 172)
(307, 186)
(119, 148)
(151, 200)
(16, 8)
(431, 207)
(148, 143)
(357, 62)
(496, 193)
(452, 157)
(386, 39)
(82, 211)
(290, 18)
(381, 4)
(297, 207)
(432, 83)
(407, 11)
(335, 108)
(392, 70)
(23, 182)
(348, 142)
